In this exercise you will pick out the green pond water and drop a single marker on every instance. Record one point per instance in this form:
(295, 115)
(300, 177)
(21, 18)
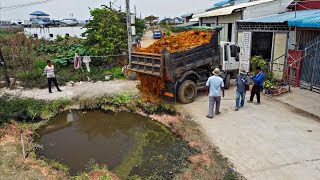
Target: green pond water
(128, 144)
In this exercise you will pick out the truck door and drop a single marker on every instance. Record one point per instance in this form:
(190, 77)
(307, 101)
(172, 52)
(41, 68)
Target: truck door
(232, 55)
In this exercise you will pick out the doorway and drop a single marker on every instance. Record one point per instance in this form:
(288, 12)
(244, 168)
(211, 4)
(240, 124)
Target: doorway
(229, 32)
(262, 44)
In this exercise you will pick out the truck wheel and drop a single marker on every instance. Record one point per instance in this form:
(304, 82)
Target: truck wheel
(187, 92)
(227, 82)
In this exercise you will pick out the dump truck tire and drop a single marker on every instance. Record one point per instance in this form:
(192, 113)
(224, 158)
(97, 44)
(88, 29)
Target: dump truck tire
(227, 82)
(187, 92)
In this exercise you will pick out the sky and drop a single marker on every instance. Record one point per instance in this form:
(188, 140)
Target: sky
(59, 9)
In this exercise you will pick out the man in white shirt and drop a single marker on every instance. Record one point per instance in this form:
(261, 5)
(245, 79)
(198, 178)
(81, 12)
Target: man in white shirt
(49, 71)
(215, 87)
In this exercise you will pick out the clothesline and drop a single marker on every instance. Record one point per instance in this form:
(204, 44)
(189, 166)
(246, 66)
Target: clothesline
(89, 56)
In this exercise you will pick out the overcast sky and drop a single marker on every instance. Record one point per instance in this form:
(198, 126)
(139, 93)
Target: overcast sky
(80, 8)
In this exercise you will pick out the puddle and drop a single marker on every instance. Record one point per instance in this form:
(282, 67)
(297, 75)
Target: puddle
(128, 144)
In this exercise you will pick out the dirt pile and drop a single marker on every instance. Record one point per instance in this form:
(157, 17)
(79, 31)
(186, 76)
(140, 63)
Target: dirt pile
(151, 84)
(179, 42)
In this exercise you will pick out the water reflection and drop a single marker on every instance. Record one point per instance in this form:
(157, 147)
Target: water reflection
(128, 143)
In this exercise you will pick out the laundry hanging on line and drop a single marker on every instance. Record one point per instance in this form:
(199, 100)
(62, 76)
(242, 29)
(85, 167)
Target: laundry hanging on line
(86, 60)
(77, 61)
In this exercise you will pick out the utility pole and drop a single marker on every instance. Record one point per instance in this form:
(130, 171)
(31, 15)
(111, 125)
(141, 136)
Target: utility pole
(110, 4)
(135, 10)
(129, 29)
(2, 63)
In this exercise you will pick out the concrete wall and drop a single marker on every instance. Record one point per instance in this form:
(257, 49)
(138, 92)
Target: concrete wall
(224, 21)
(279, 54)
(55, 31)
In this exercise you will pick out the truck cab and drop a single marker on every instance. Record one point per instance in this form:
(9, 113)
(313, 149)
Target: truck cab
(229, 61)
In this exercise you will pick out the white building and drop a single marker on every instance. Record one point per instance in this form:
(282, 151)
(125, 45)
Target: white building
(227, 16)
(52, 32)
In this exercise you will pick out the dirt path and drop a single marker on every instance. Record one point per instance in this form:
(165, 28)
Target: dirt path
(147, 39)
(267, 141)
(85, 89)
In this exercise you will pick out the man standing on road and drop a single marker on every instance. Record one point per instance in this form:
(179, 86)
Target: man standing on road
(215, 87)
(242, 81)
(258, 85)
(49, 71)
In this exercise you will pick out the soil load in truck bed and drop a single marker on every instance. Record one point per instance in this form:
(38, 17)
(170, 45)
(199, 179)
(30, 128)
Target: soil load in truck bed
(179, 42)
(155, 84)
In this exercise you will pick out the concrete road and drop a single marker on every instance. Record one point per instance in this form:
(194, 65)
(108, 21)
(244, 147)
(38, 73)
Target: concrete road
(267, 141)
(147, 39)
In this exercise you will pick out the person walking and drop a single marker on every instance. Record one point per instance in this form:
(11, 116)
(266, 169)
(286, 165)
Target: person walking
(242, 81)
(49, 71)
(258, 84)
(215, 87)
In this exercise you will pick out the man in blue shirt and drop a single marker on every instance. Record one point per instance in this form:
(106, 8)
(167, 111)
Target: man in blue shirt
(215, 87)
(242, 81)
(258, 85)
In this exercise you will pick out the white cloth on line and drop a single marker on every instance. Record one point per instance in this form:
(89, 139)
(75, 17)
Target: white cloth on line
(86, 60)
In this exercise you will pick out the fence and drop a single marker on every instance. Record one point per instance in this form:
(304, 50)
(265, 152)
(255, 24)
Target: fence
(310, 67)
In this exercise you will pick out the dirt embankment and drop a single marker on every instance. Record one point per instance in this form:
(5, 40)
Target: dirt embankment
(12, 164)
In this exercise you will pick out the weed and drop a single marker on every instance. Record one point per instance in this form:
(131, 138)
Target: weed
(27, 109)
(58, 166)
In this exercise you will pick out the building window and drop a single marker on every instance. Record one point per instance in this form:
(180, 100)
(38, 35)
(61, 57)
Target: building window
(35, 35)
(51, 35)
(67, 35)
(209, 25)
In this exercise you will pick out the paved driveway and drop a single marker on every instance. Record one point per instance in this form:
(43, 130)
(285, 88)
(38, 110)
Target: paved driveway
(267, 141)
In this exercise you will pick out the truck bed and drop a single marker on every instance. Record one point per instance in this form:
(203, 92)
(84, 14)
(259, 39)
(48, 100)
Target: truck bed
(175, 64)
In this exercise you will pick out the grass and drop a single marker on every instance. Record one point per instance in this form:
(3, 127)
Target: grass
(28, 109)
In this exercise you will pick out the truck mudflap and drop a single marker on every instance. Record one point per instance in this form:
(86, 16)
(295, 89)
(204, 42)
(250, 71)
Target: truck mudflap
(170, 90)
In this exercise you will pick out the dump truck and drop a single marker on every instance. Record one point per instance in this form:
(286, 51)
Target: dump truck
(186, 72)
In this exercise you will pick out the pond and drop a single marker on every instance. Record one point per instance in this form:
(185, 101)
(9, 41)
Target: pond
(127, 143)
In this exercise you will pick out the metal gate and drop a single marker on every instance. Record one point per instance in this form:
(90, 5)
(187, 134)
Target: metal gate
(310, 68)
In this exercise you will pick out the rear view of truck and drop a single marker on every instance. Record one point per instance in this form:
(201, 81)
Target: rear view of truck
(178, 69)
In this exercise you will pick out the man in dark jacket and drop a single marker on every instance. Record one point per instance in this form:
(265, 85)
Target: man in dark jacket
(258, 85)
(242, 81)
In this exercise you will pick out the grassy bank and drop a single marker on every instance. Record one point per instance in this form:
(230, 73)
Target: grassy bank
(32, 114)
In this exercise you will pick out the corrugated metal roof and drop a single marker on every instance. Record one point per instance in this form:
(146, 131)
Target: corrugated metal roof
(39, 13)
(282, 17)
(228, 10)
(309, 21)
(186, 24)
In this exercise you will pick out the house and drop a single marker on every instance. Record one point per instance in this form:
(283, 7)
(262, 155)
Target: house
(227, 15)
(40, 19)
(304, 5)
(269, 37)
(306, 55)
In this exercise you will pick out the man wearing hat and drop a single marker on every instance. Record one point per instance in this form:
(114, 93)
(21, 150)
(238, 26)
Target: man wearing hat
(215, 87)
(242, 81)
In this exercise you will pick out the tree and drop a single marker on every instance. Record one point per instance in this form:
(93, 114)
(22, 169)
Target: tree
(150, 19)
(140, 26)
(106, 33)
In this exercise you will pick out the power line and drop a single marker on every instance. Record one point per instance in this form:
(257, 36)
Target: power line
(6, 8)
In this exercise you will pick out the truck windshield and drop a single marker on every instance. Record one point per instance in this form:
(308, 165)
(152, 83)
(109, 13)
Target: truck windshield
(157, 32)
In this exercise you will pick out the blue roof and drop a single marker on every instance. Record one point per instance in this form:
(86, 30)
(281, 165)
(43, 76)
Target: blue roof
(283, 17)
(309, 21)
(39, 13)
(221, 3)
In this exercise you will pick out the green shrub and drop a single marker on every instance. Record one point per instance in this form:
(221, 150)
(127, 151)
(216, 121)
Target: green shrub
(27, 109)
